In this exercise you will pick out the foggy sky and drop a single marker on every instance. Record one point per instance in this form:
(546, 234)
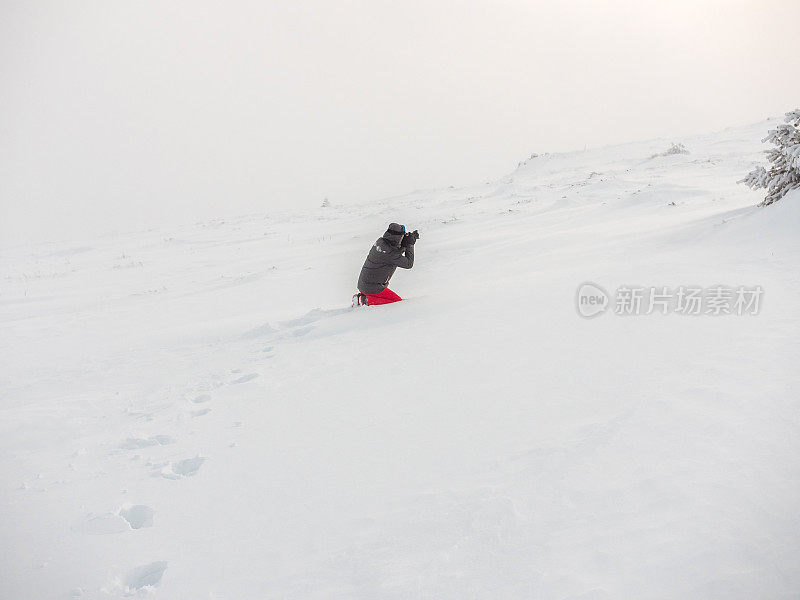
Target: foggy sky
(120, 115)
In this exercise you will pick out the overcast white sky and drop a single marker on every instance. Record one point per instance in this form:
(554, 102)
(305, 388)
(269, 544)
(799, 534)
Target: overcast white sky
(124, 114)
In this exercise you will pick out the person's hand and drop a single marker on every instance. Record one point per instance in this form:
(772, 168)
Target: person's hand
(409, 238)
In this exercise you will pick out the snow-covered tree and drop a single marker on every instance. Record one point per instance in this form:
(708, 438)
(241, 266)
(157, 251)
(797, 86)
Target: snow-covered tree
(783, 174)
(673, 149)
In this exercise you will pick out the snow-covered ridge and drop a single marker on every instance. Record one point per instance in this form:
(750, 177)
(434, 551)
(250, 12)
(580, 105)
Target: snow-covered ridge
(197, 412)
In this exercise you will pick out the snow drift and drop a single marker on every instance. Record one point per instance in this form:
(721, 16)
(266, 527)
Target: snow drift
(197, 412)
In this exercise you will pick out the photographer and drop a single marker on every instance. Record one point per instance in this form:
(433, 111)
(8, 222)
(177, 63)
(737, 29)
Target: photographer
(393, 249)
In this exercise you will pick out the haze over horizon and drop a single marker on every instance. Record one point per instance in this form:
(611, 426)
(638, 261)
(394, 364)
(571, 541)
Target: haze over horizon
(127, 115)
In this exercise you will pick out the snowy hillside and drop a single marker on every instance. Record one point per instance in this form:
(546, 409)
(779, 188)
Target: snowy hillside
(198, 412)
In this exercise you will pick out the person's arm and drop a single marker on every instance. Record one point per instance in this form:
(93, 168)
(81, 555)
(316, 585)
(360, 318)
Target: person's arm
(399, 259)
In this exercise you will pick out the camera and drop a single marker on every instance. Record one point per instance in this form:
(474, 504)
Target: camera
(409, 238)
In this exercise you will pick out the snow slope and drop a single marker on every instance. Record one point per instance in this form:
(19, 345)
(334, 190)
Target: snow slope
(197, 412)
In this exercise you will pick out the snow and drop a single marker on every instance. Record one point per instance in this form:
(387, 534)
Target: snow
(198, 413)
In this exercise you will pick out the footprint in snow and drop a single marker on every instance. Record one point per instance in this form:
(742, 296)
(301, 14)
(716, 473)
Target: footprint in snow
(201, 398)
(201, 412)
(183, 468)
(137, 515)
(145, 576)
(130, 516)
(133, 443)
(140, 415)
(245, 378)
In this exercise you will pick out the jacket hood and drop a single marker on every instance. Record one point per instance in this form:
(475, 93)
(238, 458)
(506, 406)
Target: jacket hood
(394, 234)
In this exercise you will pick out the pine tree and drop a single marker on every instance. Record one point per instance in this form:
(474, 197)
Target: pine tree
(783, 174)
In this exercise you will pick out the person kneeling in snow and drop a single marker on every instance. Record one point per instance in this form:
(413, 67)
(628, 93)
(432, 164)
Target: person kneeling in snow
(395, 248)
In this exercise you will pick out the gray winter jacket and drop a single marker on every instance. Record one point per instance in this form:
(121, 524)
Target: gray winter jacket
(383, 258)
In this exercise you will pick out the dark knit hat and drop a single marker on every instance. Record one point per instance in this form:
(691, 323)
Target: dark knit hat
(394, 234)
